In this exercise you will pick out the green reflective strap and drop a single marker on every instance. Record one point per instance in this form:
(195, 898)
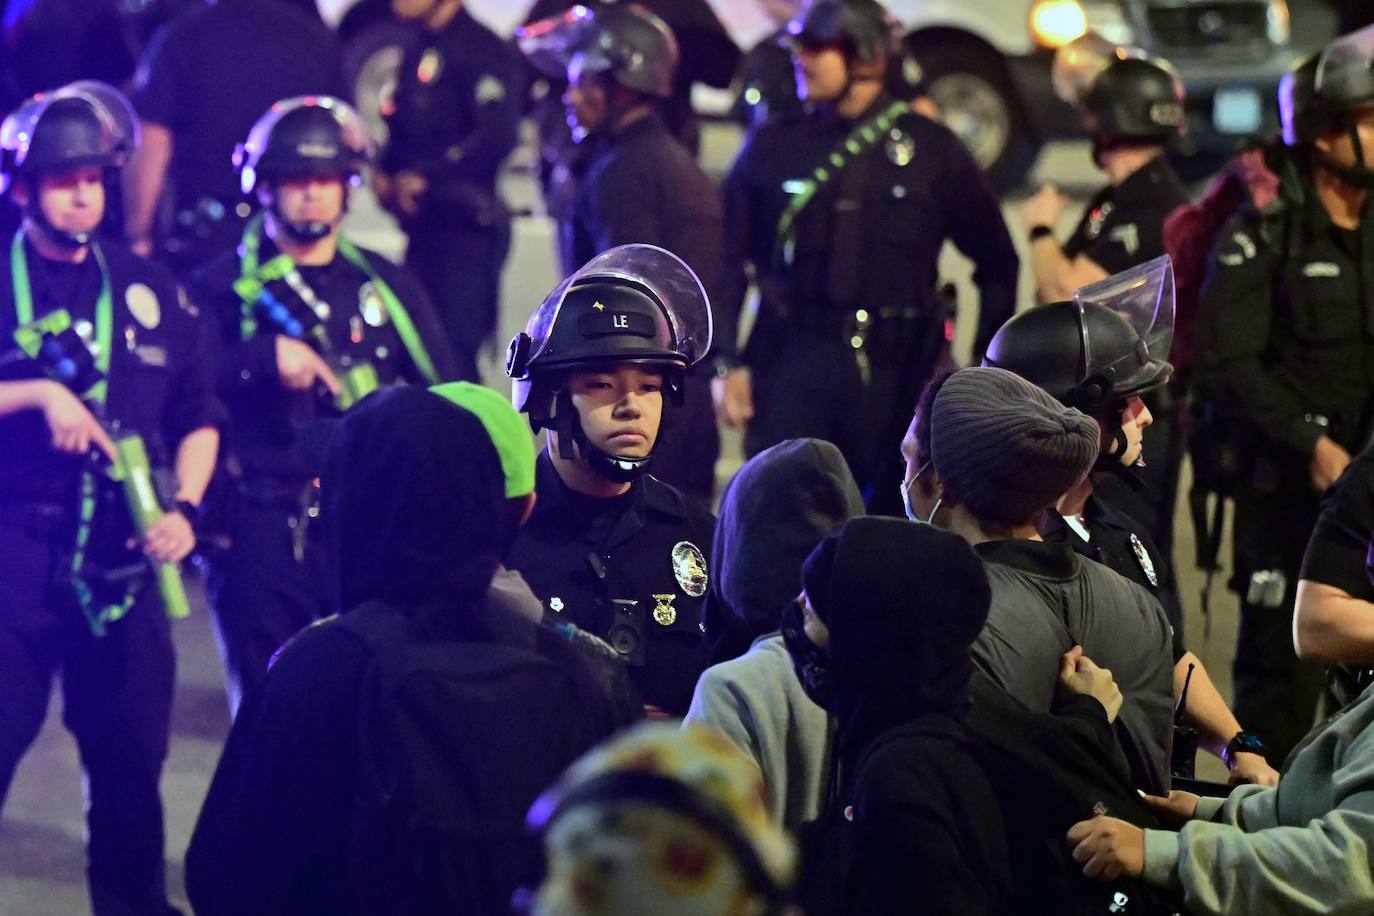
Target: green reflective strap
(861, 139)
(96, 617)
(405, 327)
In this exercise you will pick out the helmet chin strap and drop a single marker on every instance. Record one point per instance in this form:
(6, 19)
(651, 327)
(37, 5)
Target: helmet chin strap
(1358, 175)
(62, 238)
(567, 422)
(305, 231)
(1109, 459)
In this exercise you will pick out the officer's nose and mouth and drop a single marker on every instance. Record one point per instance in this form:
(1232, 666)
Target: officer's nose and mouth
(75, 201)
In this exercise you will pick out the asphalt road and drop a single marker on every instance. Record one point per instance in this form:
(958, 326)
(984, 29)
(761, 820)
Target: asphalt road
(41, 833)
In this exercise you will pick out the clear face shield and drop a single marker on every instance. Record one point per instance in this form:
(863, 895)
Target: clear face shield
(1143, 299)
(1345, 70)
(354, 134)
(118, 121)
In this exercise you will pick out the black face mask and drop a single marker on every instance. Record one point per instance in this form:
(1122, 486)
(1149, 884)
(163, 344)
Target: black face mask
(811, 662)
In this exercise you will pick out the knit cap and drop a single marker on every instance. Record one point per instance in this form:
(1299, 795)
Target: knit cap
(1004, 448)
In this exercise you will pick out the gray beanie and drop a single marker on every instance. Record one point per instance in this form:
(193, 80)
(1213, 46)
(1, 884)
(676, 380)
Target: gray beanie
(1004, 448)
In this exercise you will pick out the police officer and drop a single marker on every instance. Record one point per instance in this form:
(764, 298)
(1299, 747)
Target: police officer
(98, 349)
(609, 547)
(1084, 354)
(641, 185)
(1286, 348)
(842, 213)
(309, 323)
(1131, 107)
(453, 123)
(201, 84)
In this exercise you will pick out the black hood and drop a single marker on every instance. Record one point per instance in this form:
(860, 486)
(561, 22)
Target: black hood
(413, 496)
(774, 512)
(903, 602)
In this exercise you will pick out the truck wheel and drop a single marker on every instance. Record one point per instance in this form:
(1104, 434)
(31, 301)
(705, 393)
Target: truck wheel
(372, 59)
(970, 86)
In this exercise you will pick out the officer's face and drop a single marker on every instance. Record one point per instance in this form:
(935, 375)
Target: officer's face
(1338, 146)
(72, 201)
(620, 408)
(1134, 418)
(585, 101)
(310, 200)
(821, 72)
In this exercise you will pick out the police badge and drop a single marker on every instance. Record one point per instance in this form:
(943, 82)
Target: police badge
(901, 148)
(689, 568)
(1143, 557)
(665, 615)
(371, 305)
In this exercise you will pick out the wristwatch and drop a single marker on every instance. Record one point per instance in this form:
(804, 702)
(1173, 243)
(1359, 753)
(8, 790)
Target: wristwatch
(1040, 232)
(188, 509)
(1242, 743)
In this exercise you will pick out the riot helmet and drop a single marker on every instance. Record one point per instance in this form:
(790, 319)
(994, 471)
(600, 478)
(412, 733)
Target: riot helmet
(1125, 97)
(861, 28)
(1324, 93)
(633, 46)
(634, 304)
(301, 137)
(1109, 344)
(83, 124)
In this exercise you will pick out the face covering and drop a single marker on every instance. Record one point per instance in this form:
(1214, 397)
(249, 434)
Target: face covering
(809, 660)
(906, 499)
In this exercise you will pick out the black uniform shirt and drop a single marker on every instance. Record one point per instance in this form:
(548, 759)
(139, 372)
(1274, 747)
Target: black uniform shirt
(1339, 548)
(210, 74)
(1285, 330)
(160, 381)
(580, 555)
(1124, 224)
(266, 416)
(1121, 545)
(457, 106)
(645, 187)
(769, 83)
(881, 223)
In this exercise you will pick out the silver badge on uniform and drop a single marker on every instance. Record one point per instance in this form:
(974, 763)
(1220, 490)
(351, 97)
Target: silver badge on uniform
(371, 305)
(1147, 565)
(901, 149)
(556, 604)
(431, 65)
(689, 568)
(143, 305)
(1097, 218)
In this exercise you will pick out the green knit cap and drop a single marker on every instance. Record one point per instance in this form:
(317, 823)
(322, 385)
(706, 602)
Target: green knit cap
(509, 431)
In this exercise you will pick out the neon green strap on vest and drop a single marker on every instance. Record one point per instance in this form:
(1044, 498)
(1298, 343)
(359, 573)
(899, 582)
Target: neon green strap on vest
(96, 617)
(249, 255)
(861, 139)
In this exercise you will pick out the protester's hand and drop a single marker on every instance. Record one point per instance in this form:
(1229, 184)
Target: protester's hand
(1043, 208)
(300, 367)
(733, 396)
(410, 187)
(1328, 463)
(1079, 675)
(1176, 810)
(1108, 848)
(170, 539)
(74, 428)
(1253, 769)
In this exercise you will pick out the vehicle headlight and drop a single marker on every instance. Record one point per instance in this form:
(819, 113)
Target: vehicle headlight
(1055, 23)
(1278, 25)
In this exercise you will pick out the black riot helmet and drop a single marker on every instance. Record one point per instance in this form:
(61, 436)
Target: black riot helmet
(862, 28)
(301, 137)
(1107, 345)
(1125, 97)
(625, 41)
(633, 304)
(86, 123)
(1325, 92)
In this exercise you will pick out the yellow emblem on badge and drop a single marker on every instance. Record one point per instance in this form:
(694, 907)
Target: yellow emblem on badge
(598, 307)
(665, 615)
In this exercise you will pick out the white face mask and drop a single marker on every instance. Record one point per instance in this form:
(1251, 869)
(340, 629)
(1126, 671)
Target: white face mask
(906, 498)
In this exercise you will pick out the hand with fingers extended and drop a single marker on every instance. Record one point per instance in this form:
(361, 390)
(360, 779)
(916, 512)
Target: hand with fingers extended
(1079, 675)
(1108, 848)
(1178, 809)
(74, 428)
(300, 368)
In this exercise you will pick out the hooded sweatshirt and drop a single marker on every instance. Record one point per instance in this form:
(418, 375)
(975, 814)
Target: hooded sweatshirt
(414, 506)
(776, 510)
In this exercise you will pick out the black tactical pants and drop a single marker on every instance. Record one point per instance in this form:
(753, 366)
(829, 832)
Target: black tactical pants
(117, 703)
(460, 265)
(1276, 693)
(269, 584)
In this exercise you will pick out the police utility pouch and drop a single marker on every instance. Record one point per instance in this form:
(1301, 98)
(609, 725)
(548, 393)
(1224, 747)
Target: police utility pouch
(1267, 588)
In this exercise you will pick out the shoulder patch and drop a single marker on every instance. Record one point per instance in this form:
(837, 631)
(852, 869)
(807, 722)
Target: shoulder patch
(1128, 234)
